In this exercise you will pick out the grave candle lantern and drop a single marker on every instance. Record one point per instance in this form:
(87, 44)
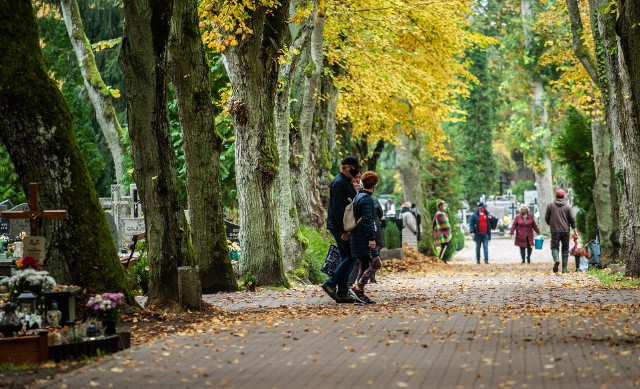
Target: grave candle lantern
(27, 302)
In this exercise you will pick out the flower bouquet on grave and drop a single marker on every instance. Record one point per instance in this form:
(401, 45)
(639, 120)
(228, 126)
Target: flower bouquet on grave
(4, 241)
(234, 250)
(35, 281)
(105, 308)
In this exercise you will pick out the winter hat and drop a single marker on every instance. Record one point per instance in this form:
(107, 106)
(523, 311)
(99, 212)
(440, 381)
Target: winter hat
(560, 193)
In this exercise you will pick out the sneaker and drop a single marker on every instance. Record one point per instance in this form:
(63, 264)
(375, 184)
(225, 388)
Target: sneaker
(355, 294)
(555, 266)
(364, 297)
(330, 290)
(345, 299)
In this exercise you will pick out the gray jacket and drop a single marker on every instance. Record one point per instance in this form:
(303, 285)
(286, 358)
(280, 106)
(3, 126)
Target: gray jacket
(559, 216)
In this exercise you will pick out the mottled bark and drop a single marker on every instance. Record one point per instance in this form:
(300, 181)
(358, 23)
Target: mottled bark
(99, 94)
(143, 59)
(36, 128)
(311, 70)
(202, 147)
(628, 31)
(290, 243)
(252, 67)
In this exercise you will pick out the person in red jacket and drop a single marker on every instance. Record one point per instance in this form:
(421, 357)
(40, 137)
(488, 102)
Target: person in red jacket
(523, 225)
(480, 229)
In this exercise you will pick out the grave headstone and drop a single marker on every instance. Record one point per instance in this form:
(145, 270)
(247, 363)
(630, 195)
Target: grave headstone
(131, 227)
(112, 227)
(233, 231)
(530, 197)
(122, 207)
(4, 227)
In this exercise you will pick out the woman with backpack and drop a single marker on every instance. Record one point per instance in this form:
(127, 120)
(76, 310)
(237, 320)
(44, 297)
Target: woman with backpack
(366, 237)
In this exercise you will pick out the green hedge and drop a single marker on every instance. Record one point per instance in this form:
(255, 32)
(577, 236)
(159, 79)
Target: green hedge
(392, 237)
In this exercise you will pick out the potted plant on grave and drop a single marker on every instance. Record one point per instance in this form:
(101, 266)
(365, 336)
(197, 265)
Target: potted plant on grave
(105, 308)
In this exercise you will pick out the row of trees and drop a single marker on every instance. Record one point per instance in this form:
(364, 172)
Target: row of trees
(308, 80)
(287, 68)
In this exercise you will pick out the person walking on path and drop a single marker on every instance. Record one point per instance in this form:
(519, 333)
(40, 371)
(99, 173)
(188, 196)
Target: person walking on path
(480, 229)
(341, 191)
(409, 226)
(523, 225)
(559, 217)
(366, 238)
(441, 230)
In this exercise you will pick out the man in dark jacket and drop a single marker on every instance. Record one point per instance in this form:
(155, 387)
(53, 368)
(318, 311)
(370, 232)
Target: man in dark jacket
(341, 191)
(559, 217)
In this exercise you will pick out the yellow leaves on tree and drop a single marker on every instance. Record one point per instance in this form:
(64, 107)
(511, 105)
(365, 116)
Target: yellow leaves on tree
(402, 61)
(225, 22)
(573, 82)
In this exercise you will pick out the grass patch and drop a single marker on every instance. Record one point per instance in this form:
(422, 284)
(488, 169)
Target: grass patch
(19, 367)
(614, 280)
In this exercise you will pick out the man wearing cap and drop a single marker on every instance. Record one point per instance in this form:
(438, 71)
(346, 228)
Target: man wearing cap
(559, 217)
(480, 229)
(341, 191)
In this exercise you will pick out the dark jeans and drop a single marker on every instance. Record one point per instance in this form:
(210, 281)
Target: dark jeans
(558, 237)
(482, 239)
(528, 250)
(340, 277)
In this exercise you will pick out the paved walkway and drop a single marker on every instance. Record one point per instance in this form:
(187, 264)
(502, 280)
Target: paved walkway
(502, 325)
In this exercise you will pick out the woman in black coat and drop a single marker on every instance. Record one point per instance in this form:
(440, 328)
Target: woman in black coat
(366, 238)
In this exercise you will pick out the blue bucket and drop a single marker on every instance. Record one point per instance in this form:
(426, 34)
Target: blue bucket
(538, 241)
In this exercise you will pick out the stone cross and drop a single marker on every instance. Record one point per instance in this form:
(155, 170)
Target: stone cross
(34, 213)
(513, 208)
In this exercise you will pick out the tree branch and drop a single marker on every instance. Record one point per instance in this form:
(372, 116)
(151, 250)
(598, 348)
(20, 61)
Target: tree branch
(579, 48)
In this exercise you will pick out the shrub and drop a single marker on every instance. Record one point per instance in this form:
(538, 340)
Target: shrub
(319, 241)
(392, 237)
(139, 275)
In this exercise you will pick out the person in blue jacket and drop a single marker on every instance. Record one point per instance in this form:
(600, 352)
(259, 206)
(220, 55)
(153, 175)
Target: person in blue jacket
(480, 229)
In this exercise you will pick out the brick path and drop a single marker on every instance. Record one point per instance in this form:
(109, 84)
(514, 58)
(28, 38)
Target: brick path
(502, 325)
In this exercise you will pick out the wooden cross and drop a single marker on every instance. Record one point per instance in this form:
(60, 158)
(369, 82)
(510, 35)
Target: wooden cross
(34, 214)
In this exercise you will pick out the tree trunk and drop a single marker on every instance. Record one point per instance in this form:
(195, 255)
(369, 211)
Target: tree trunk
(307, 198)
(324, 143)
(99, 94)
(290, 243)
(629, 132)
(605, 196)
(604, 193)
(143, 59)
(36, 128)
(202, 147)
(539, 119)
(252, 67)
(408, 165)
